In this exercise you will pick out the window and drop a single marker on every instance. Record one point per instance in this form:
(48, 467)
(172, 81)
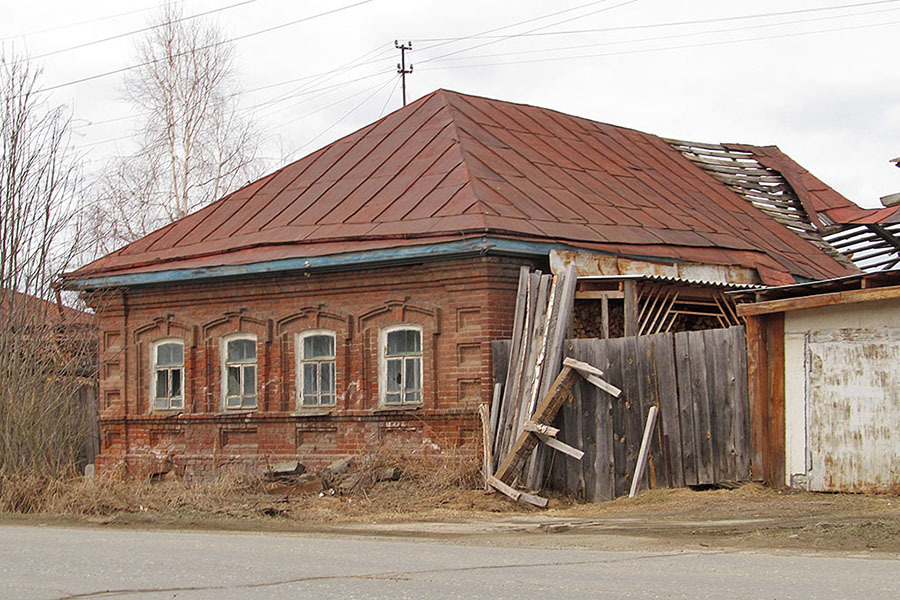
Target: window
(240, 373)
(401, 364)
(167, 367)
(316, 368)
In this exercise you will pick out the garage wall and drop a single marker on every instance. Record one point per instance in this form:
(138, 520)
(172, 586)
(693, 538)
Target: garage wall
(845, 355)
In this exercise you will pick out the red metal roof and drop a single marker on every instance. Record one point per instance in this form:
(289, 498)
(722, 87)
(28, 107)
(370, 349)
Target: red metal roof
(451, 166)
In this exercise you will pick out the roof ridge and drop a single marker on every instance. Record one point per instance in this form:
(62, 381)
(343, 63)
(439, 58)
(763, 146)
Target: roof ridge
(484, 208)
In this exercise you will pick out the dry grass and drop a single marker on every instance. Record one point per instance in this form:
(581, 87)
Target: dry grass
(430, 485)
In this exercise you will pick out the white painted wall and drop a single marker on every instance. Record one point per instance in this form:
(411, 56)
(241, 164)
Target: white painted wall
(799, 325)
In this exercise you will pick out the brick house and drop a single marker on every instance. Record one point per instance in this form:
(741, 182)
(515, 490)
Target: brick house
(349, 298)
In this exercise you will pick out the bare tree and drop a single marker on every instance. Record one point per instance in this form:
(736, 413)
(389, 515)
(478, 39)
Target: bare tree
(46, 351)
(195, 145)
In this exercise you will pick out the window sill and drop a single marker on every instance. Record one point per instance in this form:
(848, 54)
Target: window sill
(397, 407)
(312, 412)
(166, 412)
(236, 412)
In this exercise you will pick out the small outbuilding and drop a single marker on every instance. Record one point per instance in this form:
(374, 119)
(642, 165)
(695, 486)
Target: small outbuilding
(824, 369)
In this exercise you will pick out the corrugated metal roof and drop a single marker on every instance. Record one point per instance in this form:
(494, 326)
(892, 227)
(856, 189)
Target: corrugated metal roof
(673, 279)
(451, 165)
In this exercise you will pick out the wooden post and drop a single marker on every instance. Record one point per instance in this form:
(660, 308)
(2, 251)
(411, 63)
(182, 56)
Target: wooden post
(630, 288)
(488, 462)
(644, 452)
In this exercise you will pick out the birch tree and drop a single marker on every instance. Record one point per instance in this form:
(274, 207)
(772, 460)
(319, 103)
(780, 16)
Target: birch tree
(195, 145)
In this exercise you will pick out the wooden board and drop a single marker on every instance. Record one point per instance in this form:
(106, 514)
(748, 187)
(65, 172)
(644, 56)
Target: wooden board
(670, 425)
(559, 392)
(690, 444)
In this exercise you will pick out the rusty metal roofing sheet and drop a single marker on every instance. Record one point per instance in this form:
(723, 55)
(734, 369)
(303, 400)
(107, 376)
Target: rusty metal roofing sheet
(453, 165)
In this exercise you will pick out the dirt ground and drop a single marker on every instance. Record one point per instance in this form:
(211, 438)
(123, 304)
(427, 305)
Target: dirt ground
(747, 518)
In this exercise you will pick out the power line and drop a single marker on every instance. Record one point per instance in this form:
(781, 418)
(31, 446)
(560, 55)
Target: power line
(669, 24)
(666, 48)
(391, 95)
(515, 35)
(445, 41)
(141, 30)
(674, 36)
(234, 39)
(290, 95)
(86, 22)
(336, 123)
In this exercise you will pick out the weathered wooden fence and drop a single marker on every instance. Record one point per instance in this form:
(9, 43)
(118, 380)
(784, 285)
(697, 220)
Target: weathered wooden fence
(699, 382)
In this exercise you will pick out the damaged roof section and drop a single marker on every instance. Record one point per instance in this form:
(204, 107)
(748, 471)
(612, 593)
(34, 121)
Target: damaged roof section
(772, 182)
(452, 167)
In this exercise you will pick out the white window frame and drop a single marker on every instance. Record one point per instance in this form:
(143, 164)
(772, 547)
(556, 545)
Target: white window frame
(301, 360)
(224, 364)
(153, 368)
(382, 367)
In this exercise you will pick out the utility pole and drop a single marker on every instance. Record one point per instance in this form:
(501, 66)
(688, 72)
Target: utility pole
(401, 66)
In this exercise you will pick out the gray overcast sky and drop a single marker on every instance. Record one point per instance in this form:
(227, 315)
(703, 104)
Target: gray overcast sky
(821, 84)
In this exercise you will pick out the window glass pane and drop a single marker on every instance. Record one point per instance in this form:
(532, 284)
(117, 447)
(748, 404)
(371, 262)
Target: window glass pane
(177, 403)
(326, 374)
(318, 346)
(234, 381)
(392, 398)
(413, 340)
(309, 378)
(241, 351)
(395, 342)
(403, 341)
(309, 400)
(413, 397)
(250, 380)
(162, 387)
(327, 399)
(176, 383)
(161, 403)
(394, 374)
(170, 354)
(412, 375)
(233, 401)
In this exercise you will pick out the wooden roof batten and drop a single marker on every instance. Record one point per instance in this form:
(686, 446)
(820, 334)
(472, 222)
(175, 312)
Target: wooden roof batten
(868, 246)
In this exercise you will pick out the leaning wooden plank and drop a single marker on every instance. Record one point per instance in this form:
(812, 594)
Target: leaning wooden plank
(494, 413)
(516, 364)
(560, 391)
(488, 463)
(561, 446)
(582, 367)
(506, 489)
(644, 452)
(562, 307)
(539, 428)
(516, 494)
(538, 501)
(604, 385)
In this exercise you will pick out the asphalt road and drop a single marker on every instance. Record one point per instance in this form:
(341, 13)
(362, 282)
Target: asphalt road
(56, 562)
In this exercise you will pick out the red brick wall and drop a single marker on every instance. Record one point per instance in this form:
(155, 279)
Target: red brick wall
(461, 305)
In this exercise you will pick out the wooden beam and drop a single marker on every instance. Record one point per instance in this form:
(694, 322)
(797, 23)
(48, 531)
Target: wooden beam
(539, 428)
(644, 452)
(599, 295)
(583, 368)
(561, 446)
(487, 463)
(629, 288)
(604, 385)
(818, 300)
(517, 495)
(559, 392)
